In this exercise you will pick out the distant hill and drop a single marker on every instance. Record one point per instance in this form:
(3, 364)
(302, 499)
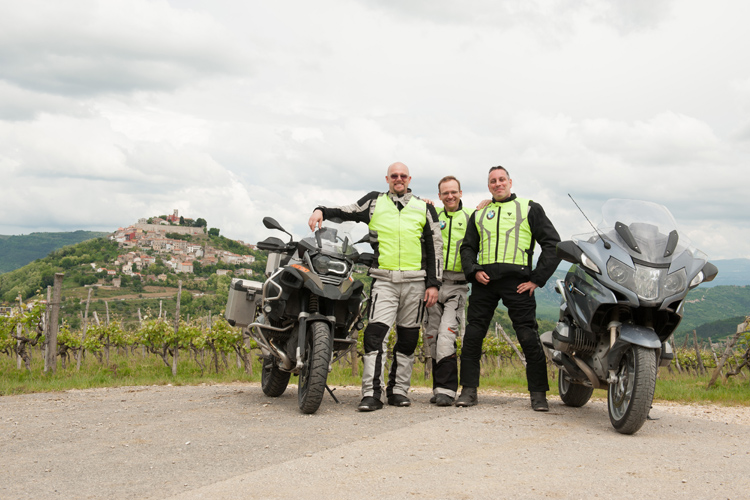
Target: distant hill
(731, 272)
(17, 251)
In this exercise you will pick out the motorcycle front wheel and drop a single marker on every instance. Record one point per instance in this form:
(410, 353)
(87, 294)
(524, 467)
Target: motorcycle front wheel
(575, 395)
(314, 373)
(273, 381)
(629, 399)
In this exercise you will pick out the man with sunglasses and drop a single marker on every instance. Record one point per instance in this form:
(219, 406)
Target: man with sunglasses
(407, 271)
(445, 319)
(496, 255)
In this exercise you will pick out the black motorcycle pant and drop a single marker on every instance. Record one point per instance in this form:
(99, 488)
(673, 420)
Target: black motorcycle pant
(522, 312)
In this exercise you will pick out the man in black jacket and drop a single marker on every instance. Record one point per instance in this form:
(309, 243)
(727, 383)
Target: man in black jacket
(496, 256)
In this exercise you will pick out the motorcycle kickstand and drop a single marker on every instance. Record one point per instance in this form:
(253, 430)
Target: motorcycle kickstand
(330, 391)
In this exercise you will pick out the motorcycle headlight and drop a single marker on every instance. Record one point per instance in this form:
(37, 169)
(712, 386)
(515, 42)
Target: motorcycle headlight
(675, 282)
(647, 282)
(326, 265)
(620, 273)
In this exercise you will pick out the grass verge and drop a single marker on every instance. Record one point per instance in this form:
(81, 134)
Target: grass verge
(136, 370)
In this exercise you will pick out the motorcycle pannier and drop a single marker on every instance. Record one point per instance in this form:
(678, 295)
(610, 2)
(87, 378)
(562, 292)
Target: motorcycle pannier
(244, 295)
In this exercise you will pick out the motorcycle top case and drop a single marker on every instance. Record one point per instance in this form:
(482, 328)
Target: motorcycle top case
(244, 295)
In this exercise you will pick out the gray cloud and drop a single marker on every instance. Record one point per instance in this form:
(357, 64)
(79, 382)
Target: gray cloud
(83, 48)
(624, 15)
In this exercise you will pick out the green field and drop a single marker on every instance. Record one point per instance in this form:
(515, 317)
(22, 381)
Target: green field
(137, 369)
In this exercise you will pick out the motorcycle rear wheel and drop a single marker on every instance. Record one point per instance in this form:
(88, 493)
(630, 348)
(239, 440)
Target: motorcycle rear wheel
(629, 399)
(575, 395)
(314, 373)
(273, 381)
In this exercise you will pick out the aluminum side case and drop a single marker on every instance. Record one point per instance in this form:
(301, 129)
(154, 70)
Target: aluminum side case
(244, 297)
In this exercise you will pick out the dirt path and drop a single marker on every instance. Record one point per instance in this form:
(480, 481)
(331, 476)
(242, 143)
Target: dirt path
(230, 441)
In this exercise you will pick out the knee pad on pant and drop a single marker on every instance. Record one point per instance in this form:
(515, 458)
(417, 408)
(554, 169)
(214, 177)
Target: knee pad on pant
(374, 335)
(408, 338)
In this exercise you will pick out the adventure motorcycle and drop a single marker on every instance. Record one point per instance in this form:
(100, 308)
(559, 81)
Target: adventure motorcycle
(308, 309)
(621, 300)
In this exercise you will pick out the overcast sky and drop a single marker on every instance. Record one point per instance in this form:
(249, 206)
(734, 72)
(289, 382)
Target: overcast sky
(233, 110)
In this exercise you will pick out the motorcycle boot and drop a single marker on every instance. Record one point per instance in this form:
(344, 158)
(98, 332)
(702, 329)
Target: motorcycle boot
(369, 403)
(539, 401)
(468, 397)
(443, 400)
(398, 400)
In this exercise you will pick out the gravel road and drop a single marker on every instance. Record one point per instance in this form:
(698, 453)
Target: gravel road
(230, 441)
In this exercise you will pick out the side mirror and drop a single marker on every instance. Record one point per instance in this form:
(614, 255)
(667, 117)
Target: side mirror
(709, 272)
(271, 223)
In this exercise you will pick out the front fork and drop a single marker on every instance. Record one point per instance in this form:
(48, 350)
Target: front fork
(620, 338)
(614, 328)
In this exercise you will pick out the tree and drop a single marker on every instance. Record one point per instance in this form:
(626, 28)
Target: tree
(200, 222)
(213, 232)
(68, 262)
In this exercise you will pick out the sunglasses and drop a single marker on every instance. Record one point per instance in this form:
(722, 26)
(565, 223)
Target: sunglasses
(402, 176)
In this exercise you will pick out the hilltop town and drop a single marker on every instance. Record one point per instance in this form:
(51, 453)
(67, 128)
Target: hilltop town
(179, 242)
(139, 261)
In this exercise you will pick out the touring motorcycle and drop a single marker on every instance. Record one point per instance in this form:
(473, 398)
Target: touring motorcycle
(308, 310)
(621, 300)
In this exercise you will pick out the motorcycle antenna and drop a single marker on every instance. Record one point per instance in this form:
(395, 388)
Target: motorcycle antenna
(606, 243)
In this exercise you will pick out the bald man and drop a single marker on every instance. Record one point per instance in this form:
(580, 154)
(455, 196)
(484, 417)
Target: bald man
(407, 272)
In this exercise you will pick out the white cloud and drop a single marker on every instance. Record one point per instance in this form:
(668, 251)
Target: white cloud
(230, 111)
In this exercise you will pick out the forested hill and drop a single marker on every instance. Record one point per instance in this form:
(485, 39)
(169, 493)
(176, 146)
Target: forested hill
(17, 251)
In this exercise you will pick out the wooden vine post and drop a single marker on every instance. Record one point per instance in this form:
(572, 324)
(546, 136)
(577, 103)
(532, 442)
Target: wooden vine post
(713, 352)
(83, 335)
(176, 329)
(46, 326)
(676, 357)
(355, 361)
(54, 324)
(698, 354)
(19, 329)
(498, 326)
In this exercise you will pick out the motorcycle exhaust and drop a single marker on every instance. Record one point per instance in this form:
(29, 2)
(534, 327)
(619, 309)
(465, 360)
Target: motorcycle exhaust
(286, 363)
(589, 373)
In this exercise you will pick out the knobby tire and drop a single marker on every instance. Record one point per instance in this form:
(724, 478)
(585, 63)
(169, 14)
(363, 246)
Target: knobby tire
(273, 381)
(313, 376)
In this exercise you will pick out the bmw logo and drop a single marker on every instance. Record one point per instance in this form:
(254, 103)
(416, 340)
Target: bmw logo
(442, 224)
(491, 214)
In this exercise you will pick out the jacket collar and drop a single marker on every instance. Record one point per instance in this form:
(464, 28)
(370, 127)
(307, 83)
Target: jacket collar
(506, 200)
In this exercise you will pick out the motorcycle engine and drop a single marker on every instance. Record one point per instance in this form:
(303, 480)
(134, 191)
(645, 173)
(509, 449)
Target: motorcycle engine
(571, 338)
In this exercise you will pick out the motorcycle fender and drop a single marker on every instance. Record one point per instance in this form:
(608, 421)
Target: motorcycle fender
(631, 335)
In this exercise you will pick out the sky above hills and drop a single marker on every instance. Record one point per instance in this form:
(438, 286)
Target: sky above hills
(227, 110)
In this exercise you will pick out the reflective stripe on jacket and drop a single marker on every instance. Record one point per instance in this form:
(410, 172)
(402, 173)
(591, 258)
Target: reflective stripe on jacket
(505, 235)
(453, 228)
